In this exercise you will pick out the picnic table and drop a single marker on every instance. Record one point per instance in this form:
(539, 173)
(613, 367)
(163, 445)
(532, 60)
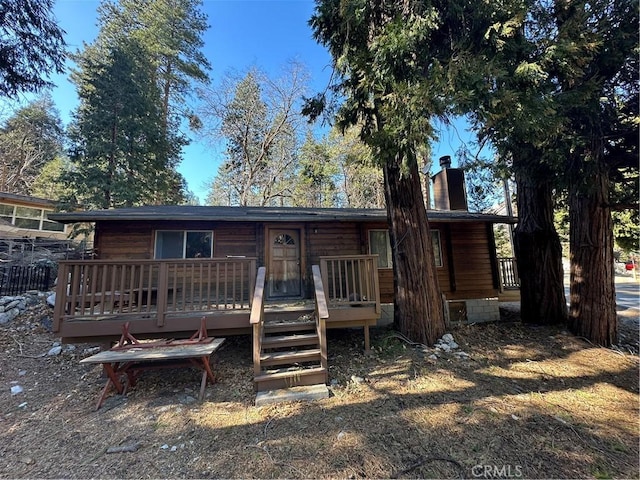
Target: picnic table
(131, 356)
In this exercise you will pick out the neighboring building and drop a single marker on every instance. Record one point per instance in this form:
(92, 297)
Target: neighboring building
(24, 216)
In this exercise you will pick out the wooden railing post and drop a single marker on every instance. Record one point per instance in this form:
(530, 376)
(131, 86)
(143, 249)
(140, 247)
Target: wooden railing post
(163, 292)
(61, 295)
(257, 317)
(322, 314)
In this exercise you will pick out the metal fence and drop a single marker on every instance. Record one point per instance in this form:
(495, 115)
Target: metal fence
(17, 279)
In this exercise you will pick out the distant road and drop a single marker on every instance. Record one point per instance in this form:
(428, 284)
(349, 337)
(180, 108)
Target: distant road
(627, 293)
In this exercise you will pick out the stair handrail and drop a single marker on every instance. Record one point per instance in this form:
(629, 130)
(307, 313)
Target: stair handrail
(257, 317)
(322, 314)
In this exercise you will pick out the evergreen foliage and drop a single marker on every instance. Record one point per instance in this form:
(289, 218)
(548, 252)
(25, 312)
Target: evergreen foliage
(31, 46)
(29, 139)
(134, 84)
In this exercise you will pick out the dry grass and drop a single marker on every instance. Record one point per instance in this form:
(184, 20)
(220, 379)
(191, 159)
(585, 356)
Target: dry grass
(529, 403)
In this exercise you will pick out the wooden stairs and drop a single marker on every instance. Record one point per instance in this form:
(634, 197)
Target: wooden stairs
(291, 355)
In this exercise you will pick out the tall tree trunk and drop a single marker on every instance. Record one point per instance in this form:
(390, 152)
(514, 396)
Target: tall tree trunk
(592, 293)
(418, 303)
(537, 248)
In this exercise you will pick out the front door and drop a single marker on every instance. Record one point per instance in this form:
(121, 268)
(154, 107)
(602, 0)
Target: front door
(284, 268)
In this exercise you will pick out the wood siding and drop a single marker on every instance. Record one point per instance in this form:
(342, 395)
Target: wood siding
(472, 261)
(468, 269)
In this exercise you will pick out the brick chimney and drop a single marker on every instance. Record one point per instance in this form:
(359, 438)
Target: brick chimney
(449, 192)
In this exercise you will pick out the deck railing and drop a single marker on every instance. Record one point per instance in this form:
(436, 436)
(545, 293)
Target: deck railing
(257, 317)
(321, 314)
(351, 281)
(509, 278)
(96, 288)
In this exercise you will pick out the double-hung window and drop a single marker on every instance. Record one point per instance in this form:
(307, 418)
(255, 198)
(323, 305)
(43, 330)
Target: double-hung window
(183, 244)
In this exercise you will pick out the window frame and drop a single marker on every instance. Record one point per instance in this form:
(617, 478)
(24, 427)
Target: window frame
(184, 243)
(389, 259)
(436, 244)
(437, 252)
(41, 217)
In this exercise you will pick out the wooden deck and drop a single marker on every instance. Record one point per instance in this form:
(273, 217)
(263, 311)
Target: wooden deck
(162, 298)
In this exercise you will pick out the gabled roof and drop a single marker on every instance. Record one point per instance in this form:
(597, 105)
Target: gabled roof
(261, 214)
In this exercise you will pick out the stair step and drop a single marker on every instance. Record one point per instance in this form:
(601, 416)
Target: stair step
(290, 356)
(283, 327)
(294, 340)
(293, 394)
(289, 313)
(286, 378)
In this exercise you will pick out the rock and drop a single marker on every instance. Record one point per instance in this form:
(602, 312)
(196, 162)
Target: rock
(433, 357)
(51, 300)
(453, 345)
(18, 302)
(57, 350)
(187, 400)
(9, 315)
(91, 351)
(356, 379)
(447, 338)
(444, 347)
(16, 389)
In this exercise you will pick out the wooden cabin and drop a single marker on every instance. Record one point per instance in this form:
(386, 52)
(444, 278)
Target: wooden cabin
(251, 269)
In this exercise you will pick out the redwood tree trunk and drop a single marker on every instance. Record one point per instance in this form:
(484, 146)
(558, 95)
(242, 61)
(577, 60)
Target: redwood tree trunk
(592, 304)
(418, 302)
(538, 251)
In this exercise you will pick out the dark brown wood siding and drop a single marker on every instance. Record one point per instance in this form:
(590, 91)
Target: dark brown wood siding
(134, 240)
(471, 260)
(466, 270)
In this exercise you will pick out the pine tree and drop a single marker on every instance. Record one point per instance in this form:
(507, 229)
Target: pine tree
(29, 139)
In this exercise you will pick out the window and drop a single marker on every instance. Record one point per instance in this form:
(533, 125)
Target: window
(183, 244)
(379, 244)
(437, 248)
(29, 218)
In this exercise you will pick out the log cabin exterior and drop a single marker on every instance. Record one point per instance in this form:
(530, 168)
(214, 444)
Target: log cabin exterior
(164, 268)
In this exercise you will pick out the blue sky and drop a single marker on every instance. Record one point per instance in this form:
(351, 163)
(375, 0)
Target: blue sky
(242, 34)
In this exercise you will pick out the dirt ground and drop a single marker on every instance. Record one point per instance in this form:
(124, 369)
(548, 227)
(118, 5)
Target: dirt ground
(527, 402)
